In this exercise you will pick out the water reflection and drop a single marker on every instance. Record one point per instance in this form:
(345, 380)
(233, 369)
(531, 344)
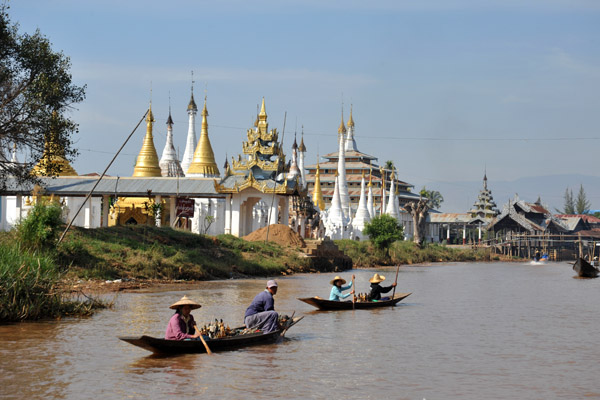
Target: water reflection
(467, 331)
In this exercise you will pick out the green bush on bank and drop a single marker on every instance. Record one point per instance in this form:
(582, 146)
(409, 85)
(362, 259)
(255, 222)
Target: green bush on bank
(29, 287)
(29, 274)
(365, 254)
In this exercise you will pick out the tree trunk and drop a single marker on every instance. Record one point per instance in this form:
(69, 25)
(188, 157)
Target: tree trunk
(418, 211)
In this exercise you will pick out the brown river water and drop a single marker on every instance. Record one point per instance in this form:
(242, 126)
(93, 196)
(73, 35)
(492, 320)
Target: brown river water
(468, 331)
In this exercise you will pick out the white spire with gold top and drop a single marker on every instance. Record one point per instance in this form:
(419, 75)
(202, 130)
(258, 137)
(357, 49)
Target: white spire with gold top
(392, 207)
(294, 170)
(344, 197)
(190, 143)
(317, 194)
(336, 222)
(362, 213)
(169, 164)
(204, 164)
(350, 142)
(370, 206)
(147, 160)
(53, 161)
(302, 150)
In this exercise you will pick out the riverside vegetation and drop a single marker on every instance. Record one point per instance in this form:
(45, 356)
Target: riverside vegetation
(33, 269)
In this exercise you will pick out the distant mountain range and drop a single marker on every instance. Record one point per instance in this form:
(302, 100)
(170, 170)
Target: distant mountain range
(460, 196)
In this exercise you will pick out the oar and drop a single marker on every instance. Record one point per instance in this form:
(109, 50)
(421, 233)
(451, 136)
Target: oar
(396, 281)
(203, 341)
(354, 295)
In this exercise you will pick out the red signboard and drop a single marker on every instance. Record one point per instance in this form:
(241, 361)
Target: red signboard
(185, 208)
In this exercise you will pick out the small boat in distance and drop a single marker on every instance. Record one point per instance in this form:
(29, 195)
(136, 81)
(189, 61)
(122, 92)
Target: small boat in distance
(328, 305)
(164, 346)
(584, 269)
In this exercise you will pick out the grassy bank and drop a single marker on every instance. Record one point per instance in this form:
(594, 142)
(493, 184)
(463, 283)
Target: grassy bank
(29, 287)
(144, 252)
(365, 255)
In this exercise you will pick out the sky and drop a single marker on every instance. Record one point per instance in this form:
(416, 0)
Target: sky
(446, 89)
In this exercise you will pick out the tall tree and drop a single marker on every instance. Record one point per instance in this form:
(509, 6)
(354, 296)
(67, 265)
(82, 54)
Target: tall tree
(569, 207)
(36, 94)
(418, 210)
(434, 198)
(582, 205)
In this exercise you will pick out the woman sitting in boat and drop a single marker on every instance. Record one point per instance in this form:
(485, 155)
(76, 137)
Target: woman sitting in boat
(377, 289)
(182, 325)
(337, 289)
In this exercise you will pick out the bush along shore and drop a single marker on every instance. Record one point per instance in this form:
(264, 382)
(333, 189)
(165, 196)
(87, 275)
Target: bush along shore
(364, 254)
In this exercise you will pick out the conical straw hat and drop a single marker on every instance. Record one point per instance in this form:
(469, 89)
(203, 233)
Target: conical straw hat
(185, 301)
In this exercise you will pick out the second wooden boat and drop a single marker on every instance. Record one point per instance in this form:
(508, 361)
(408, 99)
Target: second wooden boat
(327, 305)
(584, 269)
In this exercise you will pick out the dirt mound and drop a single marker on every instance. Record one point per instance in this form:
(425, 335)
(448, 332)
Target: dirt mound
(279, 234)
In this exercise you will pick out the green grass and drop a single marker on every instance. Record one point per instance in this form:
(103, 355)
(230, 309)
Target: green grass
(145, 252)
(365, 254)
(29, 287)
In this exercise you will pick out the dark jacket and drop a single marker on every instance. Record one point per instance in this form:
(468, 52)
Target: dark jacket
(376, 291)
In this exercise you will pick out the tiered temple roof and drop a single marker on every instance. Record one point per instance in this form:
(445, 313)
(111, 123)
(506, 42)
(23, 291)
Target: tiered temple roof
(263, 166)
(484, 207)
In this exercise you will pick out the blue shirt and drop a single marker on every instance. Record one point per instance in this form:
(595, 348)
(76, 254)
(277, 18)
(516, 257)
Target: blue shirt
(336, 293)
(262, 302)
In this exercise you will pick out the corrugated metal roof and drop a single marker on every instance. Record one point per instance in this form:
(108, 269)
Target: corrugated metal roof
(445, 218)
(127, 186)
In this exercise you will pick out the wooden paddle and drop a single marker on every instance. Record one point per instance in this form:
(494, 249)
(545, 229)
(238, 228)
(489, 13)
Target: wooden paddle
(354, 295)
(203, 341)
(396, 281)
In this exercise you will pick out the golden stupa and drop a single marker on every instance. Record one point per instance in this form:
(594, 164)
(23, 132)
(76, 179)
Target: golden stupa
(53, 161)
(147, 161)
(317, 194)
(203, 163)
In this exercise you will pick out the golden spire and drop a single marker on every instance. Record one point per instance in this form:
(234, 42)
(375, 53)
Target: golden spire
(192, 105)
(204, 163)
(317, 194)
(350, 120)
(147, 161)
(53, 161)
(262, 118)
(370, 178)
(302, 148)
(342, 128)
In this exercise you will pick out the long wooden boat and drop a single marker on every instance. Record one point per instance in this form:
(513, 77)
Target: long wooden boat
(164, 346)
(584, 269)
(327, 305)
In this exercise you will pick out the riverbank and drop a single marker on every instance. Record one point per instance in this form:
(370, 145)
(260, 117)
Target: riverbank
(134, 258)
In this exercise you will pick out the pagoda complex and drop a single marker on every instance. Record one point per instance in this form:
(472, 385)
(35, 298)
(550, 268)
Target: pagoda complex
(354, 165)
(258, 179)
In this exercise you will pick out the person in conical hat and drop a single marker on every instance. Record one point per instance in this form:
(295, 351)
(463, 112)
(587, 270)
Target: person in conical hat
(182, 325)
(337, 288)
(377, 289)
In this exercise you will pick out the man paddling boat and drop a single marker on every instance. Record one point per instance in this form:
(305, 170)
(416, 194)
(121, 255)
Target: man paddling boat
(377, 289)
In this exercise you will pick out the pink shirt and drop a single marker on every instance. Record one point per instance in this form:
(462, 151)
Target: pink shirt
(177, 328)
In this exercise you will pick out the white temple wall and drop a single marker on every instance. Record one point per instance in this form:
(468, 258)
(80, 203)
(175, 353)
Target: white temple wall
(90, 215)
(204, 208)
